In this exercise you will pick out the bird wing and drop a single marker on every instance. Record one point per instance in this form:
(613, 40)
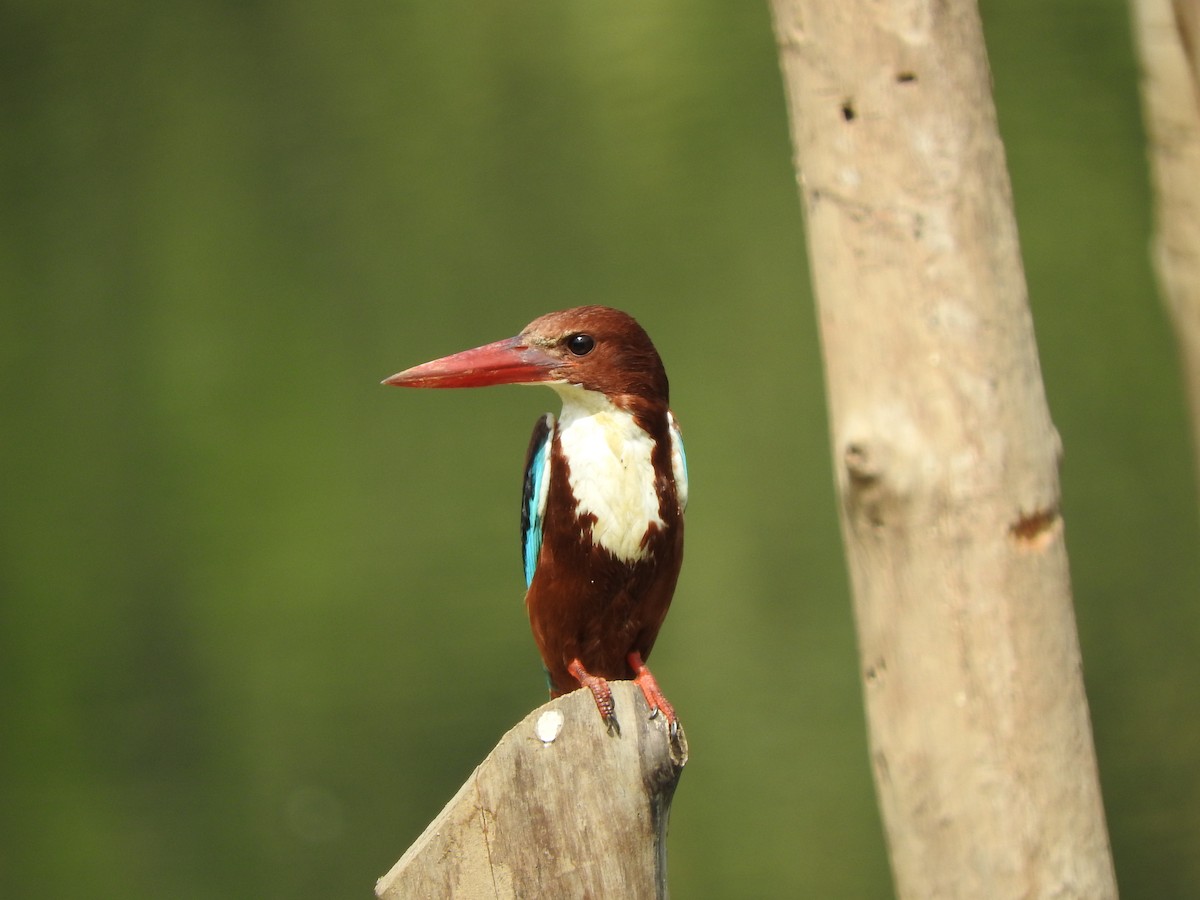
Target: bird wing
(678, 461)
(533, 495)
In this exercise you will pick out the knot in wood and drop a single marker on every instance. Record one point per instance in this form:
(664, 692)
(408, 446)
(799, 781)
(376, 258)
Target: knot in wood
(861, 466)
(880, 458)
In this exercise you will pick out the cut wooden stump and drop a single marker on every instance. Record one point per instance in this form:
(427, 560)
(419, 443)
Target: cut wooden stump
(560, 808)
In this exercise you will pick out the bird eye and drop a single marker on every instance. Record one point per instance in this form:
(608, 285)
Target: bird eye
(581, 344)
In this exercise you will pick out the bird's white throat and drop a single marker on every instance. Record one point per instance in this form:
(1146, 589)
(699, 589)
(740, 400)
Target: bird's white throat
(611, 470)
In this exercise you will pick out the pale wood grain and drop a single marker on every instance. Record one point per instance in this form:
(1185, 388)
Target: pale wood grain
(946, 458)
(1168, 40)
(582, 815)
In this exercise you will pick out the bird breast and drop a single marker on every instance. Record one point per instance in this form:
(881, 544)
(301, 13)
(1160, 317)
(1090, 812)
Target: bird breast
(611, 472)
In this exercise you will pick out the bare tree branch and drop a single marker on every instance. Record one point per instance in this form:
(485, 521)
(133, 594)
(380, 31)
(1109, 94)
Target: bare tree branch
(1168, 37)
(946, 458)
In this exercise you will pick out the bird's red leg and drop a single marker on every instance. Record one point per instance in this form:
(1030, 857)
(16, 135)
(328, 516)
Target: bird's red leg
(655, 698)
(601, 693)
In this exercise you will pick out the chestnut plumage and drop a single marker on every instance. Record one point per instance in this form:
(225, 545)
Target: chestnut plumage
(604, 493)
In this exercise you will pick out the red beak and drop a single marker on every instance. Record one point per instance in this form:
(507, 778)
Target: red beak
(504, 362)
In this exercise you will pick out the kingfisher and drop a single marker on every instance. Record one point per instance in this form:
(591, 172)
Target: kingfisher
(603, 496)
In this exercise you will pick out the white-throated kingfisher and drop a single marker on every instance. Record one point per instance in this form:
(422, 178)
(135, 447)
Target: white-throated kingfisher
(604, 493)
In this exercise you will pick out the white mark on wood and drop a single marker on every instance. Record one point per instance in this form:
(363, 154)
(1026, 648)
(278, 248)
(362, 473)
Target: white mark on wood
(549, 725)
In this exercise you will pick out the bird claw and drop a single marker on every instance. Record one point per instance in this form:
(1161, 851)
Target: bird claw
(655, 698)
(601, 693)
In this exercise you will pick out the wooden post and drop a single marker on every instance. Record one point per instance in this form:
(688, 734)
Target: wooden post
(560, 808)
(946, 458)
(1168, 38)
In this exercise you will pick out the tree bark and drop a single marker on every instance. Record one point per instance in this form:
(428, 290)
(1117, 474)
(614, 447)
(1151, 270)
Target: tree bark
(1168, 38)
(560, 808)
(946, 459)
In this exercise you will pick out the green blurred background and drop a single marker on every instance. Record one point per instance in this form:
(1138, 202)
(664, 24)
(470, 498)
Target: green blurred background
(260, 617)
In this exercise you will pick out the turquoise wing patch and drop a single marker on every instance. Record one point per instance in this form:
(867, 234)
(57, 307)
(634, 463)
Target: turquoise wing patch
(678, 461)
(533, 494)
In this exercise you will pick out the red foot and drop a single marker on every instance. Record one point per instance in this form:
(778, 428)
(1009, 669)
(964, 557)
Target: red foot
(655, 698)
(601, 693)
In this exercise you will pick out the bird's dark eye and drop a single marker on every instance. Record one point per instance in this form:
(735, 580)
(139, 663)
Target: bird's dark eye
(581, 344)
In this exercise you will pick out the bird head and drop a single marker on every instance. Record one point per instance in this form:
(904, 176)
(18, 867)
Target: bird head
(595, 348)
